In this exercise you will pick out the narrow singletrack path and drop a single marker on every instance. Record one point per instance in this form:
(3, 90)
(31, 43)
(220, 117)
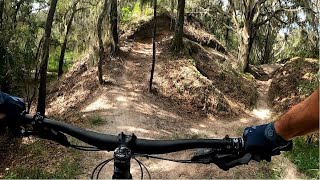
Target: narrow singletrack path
(127, 107)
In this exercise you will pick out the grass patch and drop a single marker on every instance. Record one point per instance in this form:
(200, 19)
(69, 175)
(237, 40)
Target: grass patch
(43, 160)
(307, 87)
(306, 157)
(37, 149)
(68, 169)
(96, 121)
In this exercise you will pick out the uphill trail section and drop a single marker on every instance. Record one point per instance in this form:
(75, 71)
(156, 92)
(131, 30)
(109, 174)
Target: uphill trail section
(126, 106)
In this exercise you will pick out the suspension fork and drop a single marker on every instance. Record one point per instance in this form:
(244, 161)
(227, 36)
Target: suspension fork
(122, 157)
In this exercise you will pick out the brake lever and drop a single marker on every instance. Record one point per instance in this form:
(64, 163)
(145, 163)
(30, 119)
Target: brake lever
(203, 156)
(223, 161)
(56, 136)
(241, 161)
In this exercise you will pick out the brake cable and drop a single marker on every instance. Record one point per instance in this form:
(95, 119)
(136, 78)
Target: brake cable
(101, 165)
(165, 159)
(141, 170)
(140, 163)
(85, 148)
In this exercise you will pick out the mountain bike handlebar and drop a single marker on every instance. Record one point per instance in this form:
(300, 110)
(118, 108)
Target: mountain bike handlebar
(141, 146)
(225, 153)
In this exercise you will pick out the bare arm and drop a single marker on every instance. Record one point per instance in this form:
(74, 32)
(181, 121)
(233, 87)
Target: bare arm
(301, 119)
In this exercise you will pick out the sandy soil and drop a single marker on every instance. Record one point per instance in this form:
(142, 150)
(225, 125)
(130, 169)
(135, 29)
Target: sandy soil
(127, 107)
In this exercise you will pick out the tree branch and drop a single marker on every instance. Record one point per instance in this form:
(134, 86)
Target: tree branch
(258, 7)
(245, 4)
(275, 13)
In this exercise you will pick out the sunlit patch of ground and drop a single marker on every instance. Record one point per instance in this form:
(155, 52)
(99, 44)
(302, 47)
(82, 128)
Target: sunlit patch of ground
(100, 103)
(263, 114)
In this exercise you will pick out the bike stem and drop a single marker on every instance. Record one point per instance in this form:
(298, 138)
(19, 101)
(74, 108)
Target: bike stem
(122, 157)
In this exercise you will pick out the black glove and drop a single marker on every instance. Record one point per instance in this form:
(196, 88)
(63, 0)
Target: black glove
(263, 142)
(12, 107)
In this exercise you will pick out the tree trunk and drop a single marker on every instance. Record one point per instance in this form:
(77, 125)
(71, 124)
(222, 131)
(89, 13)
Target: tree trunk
(153, 43)
(36, 76)
(178, 33)
(114, 28)
(226, 36)
(172, 14)
(1, 11)
(267, 49)
(64, 45)
(243, 50)
(101, 48)
(44, 59)
(246, 42)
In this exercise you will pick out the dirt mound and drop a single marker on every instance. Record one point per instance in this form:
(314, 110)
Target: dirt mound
(293, 82)
(193, 30)
(202, 37)
(203, 81)
(144, 30)
(217, 67)
(74, 88)
(182, 82)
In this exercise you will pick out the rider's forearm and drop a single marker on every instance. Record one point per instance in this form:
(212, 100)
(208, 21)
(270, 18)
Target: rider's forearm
(301, 119)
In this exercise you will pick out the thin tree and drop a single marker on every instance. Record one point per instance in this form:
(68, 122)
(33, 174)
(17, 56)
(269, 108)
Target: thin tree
(227, 33)
(44, 59)
(101, 48)
(1, 11)
(153, 43)
(64, 45)
(178, 33)
(114, 27)
(172, 4)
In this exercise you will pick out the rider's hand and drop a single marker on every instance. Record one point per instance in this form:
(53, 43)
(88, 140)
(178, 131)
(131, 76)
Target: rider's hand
(10, 108)
(263, 142)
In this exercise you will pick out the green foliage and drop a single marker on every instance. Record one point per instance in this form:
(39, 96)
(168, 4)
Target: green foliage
(137, 9)
(18, 44)
(297, 43)
(126, 14)
(306, 157)
(69, 58)
(134, 12)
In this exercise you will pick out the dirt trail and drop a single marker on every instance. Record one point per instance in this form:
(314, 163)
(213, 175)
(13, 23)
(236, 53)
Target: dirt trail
(128, 107)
